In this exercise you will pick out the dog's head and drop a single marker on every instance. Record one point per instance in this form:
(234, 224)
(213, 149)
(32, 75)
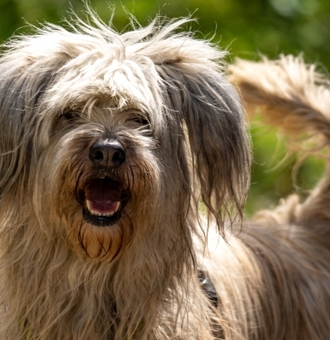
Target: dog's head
(107, 138)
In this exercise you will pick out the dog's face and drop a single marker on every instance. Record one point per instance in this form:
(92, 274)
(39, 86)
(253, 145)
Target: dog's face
(118, 137)
(101, 138)
(105, 174)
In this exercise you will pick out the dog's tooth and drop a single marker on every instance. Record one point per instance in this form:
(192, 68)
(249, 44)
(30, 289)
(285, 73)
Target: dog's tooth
(117, 206)
(89, 205)
(97, 213)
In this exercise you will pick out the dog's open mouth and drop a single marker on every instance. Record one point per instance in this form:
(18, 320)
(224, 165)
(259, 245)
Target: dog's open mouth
(102, 200)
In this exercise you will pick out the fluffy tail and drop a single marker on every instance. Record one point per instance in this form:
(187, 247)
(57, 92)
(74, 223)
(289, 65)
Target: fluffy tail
(289, 94)
(295, 98)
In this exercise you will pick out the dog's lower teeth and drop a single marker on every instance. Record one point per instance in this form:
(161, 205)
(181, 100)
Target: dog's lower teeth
(95, 213)
(92, 211)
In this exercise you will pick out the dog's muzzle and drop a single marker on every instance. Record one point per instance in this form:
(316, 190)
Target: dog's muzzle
(103, 197)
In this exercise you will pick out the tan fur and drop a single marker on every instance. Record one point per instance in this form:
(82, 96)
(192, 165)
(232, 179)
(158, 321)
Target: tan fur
(162, 97)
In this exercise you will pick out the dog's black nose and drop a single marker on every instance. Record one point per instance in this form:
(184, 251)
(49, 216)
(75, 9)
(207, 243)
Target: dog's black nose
(107, 153)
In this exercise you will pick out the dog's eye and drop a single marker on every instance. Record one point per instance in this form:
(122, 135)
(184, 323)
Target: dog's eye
(70, 115)
(140, 120)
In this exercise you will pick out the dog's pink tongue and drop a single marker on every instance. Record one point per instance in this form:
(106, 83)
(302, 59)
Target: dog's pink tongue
(103, 196)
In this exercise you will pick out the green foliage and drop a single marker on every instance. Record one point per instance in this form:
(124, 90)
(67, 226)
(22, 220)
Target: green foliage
(276, 172)
(269, 27)
(247, 29)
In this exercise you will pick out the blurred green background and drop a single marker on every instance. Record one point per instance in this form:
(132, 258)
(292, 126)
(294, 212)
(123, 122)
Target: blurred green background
(247, 29)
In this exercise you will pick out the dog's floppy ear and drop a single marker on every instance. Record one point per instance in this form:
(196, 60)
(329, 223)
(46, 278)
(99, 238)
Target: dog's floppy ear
(210, 110)
(24, 77)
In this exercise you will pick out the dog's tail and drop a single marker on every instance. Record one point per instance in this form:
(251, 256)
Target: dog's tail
(288, 94)
(295, 98)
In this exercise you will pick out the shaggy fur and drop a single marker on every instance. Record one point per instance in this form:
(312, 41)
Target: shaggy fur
(109, 143)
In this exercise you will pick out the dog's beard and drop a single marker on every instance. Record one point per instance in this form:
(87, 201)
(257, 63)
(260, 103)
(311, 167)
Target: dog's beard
(102, 243)
(103, 225)
(105, 211)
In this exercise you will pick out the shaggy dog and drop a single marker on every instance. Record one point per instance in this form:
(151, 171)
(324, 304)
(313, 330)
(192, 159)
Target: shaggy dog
(109, 145)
